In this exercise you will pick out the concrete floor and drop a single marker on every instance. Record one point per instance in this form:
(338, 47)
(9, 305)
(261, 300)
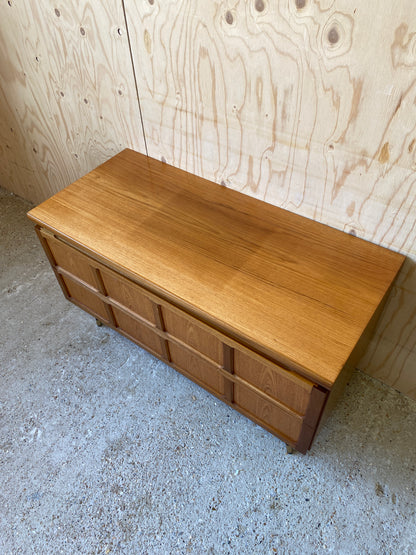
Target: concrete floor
(104, 449)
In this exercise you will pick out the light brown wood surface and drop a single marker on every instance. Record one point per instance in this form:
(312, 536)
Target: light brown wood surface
(303, 291)
(67, 94)
(279, 399)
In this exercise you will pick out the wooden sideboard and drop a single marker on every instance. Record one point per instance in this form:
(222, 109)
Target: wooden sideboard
(261, 307)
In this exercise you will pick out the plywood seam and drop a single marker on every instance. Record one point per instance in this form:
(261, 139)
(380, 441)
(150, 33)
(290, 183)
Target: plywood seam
(134, 75)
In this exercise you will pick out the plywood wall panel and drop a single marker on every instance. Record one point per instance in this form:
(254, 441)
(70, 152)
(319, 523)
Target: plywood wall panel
(307, 104)
(266, 103)
(67, 92)
(391, 356)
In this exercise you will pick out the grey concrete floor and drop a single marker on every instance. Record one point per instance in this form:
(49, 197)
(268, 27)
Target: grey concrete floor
(104, 449)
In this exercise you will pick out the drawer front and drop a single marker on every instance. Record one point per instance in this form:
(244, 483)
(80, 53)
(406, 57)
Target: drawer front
(273, 417)
(138, 331)
(69, 259)
(87, 299)
(190, 332)
(286, 387)
(201, 370)
(128, 295)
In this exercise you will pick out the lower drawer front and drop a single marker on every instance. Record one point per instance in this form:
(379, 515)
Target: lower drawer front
(273, 417)
(138, 331)
(189, 331)
(286, 387)
(196, 367)
(85, 298)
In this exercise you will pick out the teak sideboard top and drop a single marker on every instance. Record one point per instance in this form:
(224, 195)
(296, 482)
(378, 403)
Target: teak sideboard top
(303, 291)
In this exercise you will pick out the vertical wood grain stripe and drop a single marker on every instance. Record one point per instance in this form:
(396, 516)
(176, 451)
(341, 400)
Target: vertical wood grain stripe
(228, 358)
(52, 261)
(311, 418)
(228, 365)
(315, 406)
(134, 75)
(101, 288)
(160, 324)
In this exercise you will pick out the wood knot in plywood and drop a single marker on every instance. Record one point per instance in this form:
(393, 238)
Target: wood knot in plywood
(337, 35)
(333, 35)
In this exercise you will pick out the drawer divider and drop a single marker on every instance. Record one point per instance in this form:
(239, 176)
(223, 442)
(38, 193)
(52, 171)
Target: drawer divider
(101, 288)
(160, 325)
(41, 233)
(228, 366)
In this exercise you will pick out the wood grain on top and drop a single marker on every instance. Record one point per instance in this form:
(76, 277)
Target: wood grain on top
(302, 290)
